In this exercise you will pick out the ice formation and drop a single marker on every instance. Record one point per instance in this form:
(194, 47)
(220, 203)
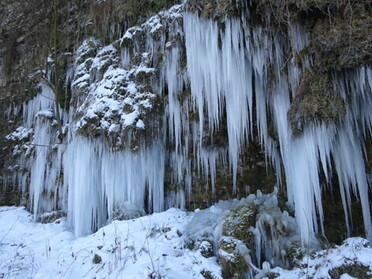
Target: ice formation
(217, 84)
(227, 72)
(103, 179)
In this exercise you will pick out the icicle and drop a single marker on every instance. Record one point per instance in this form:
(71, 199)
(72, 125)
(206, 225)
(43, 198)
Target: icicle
(216, 80)
(174, 84)
(125, 58)
(220, 71)
(98, 180)
(38, 114)
(348, 149)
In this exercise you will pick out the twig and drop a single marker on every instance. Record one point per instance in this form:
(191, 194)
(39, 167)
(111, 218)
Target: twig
(9, 229)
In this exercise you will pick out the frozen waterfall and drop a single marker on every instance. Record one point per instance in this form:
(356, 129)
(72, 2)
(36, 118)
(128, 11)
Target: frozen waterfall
(229, 72)
(221, 78)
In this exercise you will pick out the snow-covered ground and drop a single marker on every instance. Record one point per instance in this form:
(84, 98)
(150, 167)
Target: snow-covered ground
(152, 246)
(147, 247)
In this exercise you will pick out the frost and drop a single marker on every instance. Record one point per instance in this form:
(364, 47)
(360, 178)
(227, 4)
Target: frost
(126, 210)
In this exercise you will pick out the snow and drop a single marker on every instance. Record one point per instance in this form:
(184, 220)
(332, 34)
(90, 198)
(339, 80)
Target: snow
(82, 81)
(19, 134)
(146, 247)
(130, 33)
(104, 54)
(140, 124)
(45, 113)
(108, 87)
(155, 24)
(353, 251)
(347, 276)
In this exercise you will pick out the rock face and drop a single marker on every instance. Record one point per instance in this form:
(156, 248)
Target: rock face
(185, 105)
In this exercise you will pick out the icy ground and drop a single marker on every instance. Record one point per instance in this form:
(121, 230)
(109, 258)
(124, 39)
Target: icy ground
(147, 247)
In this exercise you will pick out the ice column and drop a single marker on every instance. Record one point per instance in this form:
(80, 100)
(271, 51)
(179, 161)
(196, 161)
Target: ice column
(100, 180)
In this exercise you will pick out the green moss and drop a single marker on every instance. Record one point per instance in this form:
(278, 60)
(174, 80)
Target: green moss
(194, 116)
(105, 14)
(59, 179)
(51, 217)
(231, 262)
(315, 102)
(127, 43)
(342, 40)
(238, 222)
(339, 29)
(368, 147)
(90, 129)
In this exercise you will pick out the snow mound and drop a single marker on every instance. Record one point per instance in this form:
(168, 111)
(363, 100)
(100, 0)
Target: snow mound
(352, 258)
(152, 246)
(147, 247)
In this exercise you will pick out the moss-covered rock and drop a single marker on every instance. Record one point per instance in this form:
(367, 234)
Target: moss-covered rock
(255, 174)
(10, 196)
(206, 248)
(239, 221)
(230, 260)
(106, 14)
(339, 30)
(257, 230)
(342, 40)
(294, 254)
(238, 226)
(334, 216)
(315, 102)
